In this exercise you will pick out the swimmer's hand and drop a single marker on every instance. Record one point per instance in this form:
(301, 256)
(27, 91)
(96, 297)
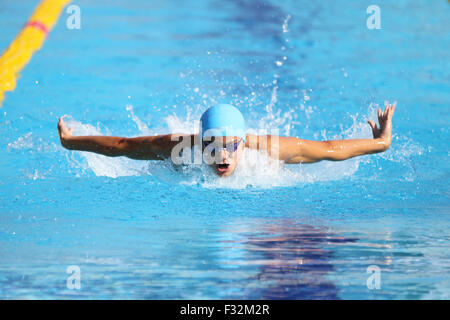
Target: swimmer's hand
(64, 133)
(384, 132)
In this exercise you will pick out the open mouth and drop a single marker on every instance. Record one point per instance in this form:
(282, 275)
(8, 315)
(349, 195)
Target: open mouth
(222, 167)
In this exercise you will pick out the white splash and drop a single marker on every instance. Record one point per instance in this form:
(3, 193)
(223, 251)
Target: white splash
(285, 24)
(25, 142)
(101, 165)
(263, 173)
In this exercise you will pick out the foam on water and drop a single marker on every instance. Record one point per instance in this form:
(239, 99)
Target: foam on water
(101, 165)
(265, 172)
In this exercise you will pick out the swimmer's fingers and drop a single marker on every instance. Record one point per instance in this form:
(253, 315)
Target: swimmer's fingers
(386, 116)
(60, 122)
(392, 110)
(61, 126)
(63, 131)
(384, 120)
(380, 117)
(387, 111)
(375, 130)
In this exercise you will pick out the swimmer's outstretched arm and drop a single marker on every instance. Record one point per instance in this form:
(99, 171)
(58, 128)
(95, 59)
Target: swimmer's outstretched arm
(294, 150)
(140, 148)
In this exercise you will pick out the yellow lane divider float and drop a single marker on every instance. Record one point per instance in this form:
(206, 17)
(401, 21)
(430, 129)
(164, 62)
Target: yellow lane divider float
(27, 42)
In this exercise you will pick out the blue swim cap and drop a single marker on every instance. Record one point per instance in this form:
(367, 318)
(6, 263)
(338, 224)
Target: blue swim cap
(223, 120)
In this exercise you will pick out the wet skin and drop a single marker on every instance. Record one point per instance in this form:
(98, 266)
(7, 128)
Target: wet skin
(286, 149)
(225, 159)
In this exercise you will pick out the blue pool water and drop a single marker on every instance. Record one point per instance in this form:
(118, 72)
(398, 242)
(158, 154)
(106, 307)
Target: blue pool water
(144, 230)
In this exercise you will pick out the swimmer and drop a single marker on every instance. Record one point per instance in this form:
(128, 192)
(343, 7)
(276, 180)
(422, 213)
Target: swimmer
(223, 138)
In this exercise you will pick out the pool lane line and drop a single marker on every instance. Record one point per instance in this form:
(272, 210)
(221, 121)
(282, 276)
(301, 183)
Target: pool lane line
(27, 42)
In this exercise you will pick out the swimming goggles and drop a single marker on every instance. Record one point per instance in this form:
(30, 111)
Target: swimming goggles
(230, 147)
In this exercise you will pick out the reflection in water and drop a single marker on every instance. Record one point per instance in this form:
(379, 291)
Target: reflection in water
(292, 260)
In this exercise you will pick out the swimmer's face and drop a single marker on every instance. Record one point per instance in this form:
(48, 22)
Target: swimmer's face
(223, 153)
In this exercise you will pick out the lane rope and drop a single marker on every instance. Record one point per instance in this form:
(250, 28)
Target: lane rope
(37, 24)
(27, 42)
